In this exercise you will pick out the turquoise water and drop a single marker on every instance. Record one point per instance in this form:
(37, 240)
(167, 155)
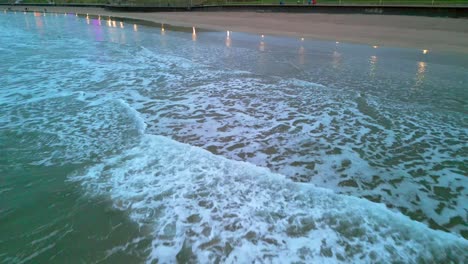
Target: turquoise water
(124, 143)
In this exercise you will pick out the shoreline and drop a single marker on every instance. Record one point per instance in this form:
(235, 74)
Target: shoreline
(430, 33)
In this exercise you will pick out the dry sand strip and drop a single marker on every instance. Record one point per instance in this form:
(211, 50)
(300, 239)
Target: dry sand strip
(432, 33)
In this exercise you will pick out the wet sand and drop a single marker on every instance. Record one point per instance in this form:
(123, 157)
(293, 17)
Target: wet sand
(432, 33)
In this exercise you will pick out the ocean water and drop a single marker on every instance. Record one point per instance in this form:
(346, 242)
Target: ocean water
(124, 143)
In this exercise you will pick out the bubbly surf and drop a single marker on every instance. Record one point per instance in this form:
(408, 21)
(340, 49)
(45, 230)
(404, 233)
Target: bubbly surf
(223, 152)
(205, 208)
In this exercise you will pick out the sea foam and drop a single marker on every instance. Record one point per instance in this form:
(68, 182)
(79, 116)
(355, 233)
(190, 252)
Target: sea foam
(203, 207)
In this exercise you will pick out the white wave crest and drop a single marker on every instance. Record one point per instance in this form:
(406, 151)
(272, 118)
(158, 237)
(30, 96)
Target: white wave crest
(205, 208)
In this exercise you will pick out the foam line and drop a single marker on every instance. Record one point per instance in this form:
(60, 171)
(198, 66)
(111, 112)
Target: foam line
(205, 207)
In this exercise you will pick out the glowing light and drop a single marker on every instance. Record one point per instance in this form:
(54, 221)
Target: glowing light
(135, 27)
(302, 39)
(420, 74)
(337, 42)
(421, 67)
(262, 46)
(194, 34)
(87, 16)
(99, 17)
(375, 47)
(228, 39)
(263, 36)
(76, 14)
(114, 24)
(425, 51)
(121, 24)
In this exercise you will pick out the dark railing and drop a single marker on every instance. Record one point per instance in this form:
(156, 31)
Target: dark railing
(339, 2)
(179, 3)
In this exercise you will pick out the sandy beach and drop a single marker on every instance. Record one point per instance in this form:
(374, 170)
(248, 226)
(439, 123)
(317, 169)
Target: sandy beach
(432, 33)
